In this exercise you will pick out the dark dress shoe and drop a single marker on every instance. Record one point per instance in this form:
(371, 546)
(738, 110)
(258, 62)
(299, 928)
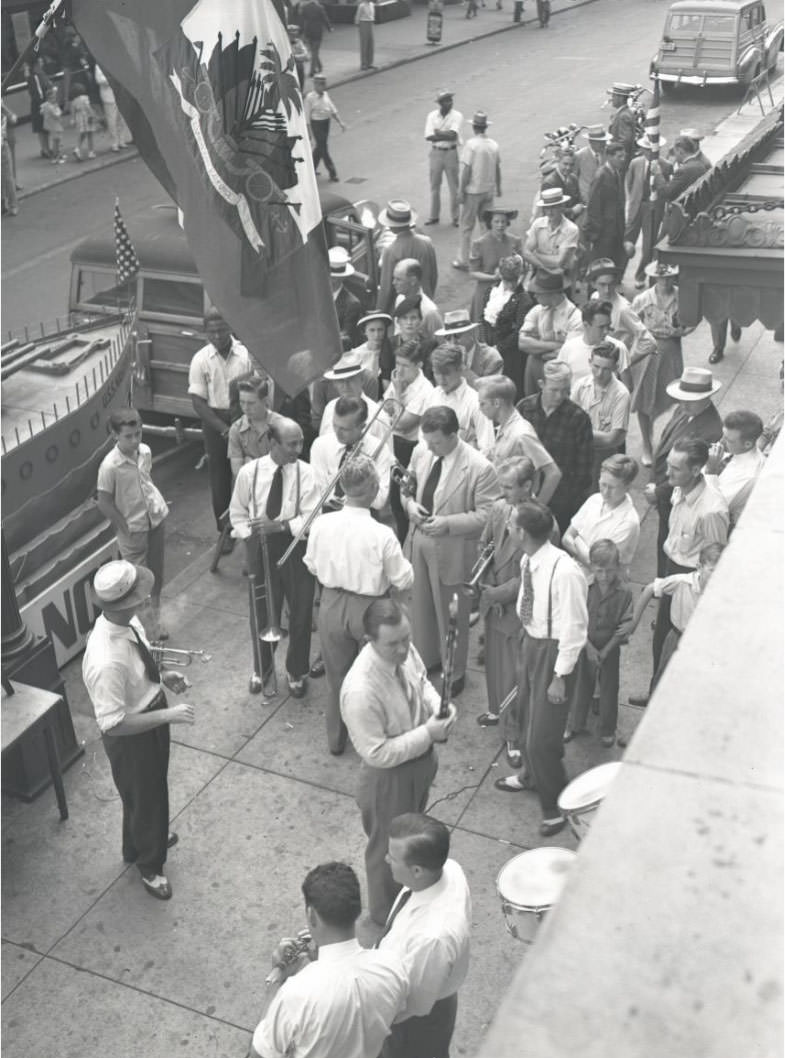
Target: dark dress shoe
(157, 885)
(641, 700)
(735, 330)
(549, 827)
(487, 720)
(716, 355)
(296, 687)
(433, 220)
(172, 840)
(317, 669)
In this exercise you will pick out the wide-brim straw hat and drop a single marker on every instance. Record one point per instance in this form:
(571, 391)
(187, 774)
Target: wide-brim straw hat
(346, 367)
(398, 214)
(121, 585)
(696, 383)
(456, 322)
(660, 270)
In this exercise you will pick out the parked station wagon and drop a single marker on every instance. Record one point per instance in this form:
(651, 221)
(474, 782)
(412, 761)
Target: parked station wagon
(711, 42)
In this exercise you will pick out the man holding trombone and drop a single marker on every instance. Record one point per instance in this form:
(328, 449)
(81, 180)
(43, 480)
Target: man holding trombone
(272, 498)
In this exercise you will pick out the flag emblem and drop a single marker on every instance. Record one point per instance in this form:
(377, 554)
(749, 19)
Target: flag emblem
(125, 255)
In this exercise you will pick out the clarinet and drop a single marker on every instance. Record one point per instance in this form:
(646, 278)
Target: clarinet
(449, 663)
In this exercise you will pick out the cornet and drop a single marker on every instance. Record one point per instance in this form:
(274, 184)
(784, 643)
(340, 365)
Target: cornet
(170, 656)
(404, 478)
(473, 585)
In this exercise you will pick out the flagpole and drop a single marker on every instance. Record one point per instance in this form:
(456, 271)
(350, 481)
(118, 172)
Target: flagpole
(34, 43)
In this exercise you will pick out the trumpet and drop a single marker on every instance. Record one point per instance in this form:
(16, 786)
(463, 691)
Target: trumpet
(171, 656)
(271, 633)
(473, 585)
(404, 478)
(327, 495)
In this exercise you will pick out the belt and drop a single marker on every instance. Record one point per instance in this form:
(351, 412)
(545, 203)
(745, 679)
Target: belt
(453, 148)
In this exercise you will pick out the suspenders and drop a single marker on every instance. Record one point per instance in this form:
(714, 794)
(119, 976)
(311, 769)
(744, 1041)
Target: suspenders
(296, 493)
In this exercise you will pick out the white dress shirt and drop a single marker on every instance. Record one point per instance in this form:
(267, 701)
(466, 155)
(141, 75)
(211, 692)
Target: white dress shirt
(698, 517)
(736, 479)
(209, 374)
(546, 241)
(597, 521)
(447, 465)
(430, 934)
(473, 427)
(347, 549)
(569, 615)
(326, 452)
(114, 673)
(415, 398)
(249, 496)
(329, 414)
(554, 323)
(576, 353)
(386, 727)
(452, 121)
(340, 1006)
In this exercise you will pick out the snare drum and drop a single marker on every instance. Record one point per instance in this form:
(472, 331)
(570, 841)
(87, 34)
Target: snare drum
(583, 796)
(529, 885)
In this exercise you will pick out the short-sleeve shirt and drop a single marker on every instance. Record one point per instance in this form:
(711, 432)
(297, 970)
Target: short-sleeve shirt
(609, 408)
(114, 673)
(481, 153)
(553, 324)
(452, 121)
(130, 484)
(517, 437)
(319, 107)
(416, 398)
(576, 353)
(541, 238)
(698, 517)
(210, 374)
(247, 440)
(685, 591)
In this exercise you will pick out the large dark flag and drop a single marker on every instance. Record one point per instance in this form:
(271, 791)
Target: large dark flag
(210, 93)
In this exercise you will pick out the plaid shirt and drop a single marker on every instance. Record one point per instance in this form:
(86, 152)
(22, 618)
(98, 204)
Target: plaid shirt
(567, 435)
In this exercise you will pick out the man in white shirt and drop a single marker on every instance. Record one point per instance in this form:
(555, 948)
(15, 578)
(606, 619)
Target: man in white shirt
(356, 560)
(349, 378)
(453, 391)
(124, 685)
(479, 359)
(407, 281)
(341, 1004)
(443, 132)
(331, 450)
(552, 609)
(212, 369)
(606, 401)
(576, 351)
(514, 436)
(735, 462)
(390, 707)
(481, 178)
(273, 496)
(428, 928)
(546, 327)
(552, 240)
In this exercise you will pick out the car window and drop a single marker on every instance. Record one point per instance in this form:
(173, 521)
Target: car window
(100, 288)
(685, 22)
(719, 25)
(172, 297)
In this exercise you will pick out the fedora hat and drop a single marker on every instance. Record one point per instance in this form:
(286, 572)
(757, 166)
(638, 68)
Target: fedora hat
(444, 94)
(383, 316)
(340, 265)
(594, 132)
(621, 88)
(347, 367)
(398, 214)
(120, 585)
(602, 266)
(456, 322)
(660, 270)
(647, 145)
(502, 211)
(546, 283)
(696, 383)
(693, 134)
(552, 196)
(480, 118)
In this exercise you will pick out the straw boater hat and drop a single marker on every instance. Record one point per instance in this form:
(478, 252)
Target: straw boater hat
(457, 322)
(480, 118)
(347, 367)
(621, 88)
(120, 585)
(552, 196)
(660, 270)
(647, 145)
(398, 214)
(546, 283)
(502, 211)
(594, 133)
(340, 265)
(696, 383)
(383, 316)
(693, 134)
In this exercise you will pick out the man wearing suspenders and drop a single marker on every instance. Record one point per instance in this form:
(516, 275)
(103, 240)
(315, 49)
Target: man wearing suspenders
(552, 609)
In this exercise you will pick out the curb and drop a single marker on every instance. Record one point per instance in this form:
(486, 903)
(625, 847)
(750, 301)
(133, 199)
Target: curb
(358, 76)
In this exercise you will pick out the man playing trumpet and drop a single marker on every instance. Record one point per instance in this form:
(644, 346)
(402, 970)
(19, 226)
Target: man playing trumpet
(356, 560)
(272, 497)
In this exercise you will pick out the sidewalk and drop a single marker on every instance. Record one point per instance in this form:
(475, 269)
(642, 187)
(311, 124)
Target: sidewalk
(396, 43)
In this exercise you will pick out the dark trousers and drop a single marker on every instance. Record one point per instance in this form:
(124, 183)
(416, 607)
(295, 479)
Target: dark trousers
(314, 45)
(544, 721)
(663, 623)
(663, 513)
(292, 582)
(669, 648)
(383, 794)
(403, 453)
(424, 1037)
(218, 466)
(321, 131)
(588, 681)
(139, 768)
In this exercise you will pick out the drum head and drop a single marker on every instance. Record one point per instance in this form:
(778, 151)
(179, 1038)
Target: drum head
(534, 879)
(589, 788)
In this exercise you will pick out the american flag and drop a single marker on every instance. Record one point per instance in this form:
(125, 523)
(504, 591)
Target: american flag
(652, 126)
(125, 254)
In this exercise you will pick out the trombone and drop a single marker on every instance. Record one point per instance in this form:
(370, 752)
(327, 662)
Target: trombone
(271, 633)
(356, 450)
(473, 585)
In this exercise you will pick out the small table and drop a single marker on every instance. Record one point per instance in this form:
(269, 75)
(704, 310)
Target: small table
(31, 709)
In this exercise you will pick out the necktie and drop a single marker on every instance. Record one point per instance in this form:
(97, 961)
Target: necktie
(407, 690)
(275, 495)
(344, 456)
(526, 608)
(150, 667)
(399, 906)
(429, 488)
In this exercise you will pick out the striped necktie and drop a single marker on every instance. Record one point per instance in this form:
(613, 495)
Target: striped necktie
(526, 607)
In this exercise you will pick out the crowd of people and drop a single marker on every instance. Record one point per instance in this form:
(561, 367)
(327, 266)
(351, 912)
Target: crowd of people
(452, 467)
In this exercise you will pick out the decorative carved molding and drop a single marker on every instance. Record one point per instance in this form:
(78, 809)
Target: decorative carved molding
(729, 228)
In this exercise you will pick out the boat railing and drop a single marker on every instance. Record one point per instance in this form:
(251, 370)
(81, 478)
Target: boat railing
(60, 327)
(73, 395)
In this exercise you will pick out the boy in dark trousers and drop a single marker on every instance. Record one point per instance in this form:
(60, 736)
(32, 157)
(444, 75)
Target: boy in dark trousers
(610, 624)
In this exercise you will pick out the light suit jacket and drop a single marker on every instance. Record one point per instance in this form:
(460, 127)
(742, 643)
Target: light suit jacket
(465, 499)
